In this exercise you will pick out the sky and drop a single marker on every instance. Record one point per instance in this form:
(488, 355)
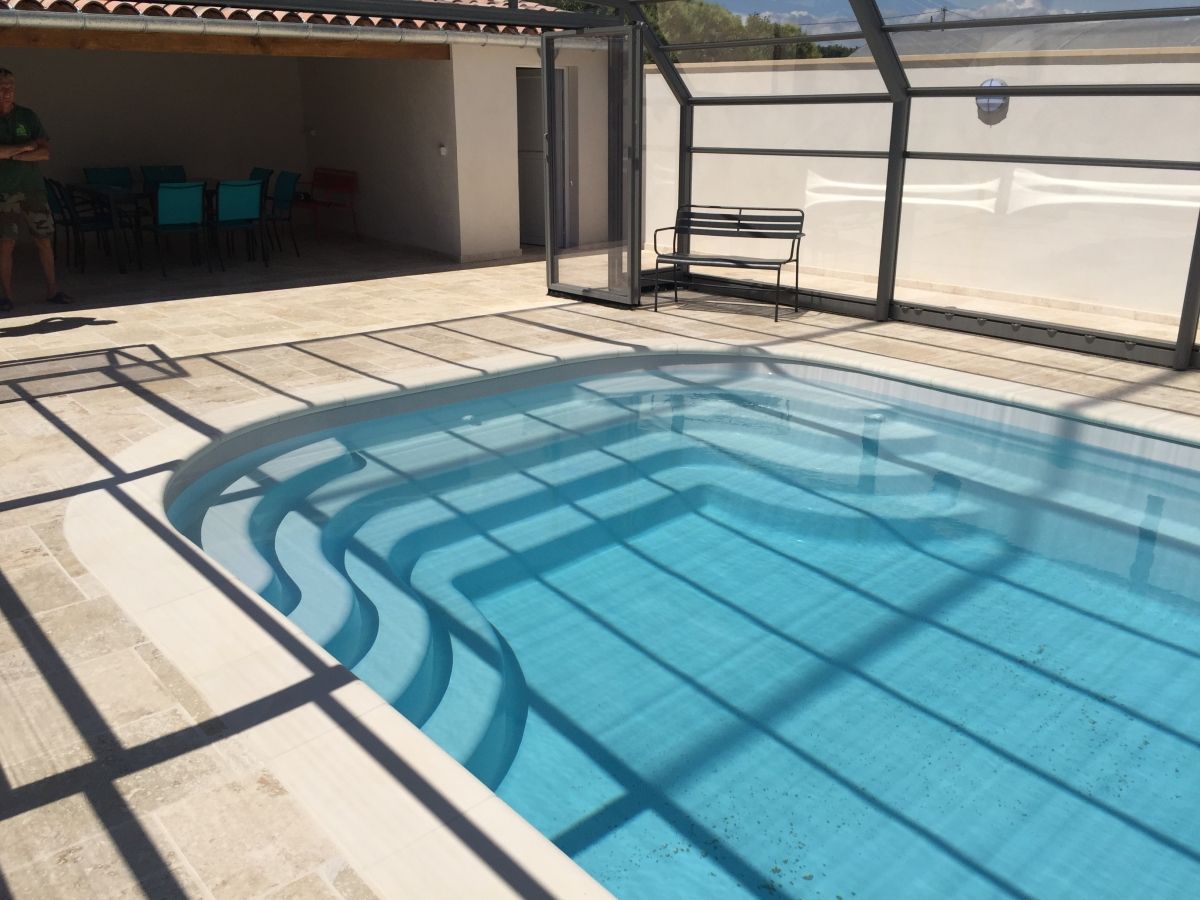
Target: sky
(835, 15)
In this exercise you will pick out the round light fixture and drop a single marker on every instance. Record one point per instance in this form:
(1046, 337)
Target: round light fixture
(992, 103)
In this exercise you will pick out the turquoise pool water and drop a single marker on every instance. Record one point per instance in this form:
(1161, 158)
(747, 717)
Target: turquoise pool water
(738, 629)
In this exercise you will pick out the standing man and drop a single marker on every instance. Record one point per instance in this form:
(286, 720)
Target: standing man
(23, 144)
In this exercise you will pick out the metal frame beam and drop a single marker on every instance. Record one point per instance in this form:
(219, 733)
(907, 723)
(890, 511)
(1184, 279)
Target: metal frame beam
(1036, 160)
(890, 69)
(1050, 19)
(1189, 316)
(1060, 90)
(791, 99)
(654, 46)
(764, 42)
(772, 151)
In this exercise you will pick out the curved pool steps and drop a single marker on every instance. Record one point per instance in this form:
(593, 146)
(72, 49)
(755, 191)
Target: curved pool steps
(285, 500)
(238, 528)
(479, 717)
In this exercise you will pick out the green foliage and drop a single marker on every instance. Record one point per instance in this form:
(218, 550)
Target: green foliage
(696, 21)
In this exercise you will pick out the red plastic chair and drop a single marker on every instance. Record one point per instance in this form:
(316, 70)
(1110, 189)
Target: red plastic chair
(331, 190)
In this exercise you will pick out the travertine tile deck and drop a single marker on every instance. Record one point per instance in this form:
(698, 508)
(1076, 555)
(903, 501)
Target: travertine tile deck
(162, 733)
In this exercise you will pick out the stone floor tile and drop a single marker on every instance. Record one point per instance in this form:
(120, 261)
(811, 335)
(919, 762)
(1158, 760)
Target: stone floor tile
(82, 630)
(51, 534)
(20, 547)
(310, 887)
(163, 759)
(351, 885)
(40, 716)
(247, 837)
(133, 859)
(43, 586)
(182, 690)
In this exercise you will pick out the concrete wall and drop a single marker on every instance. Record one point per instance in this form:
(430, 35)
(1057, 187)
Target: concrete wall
(388, 120)
(111, 108)
(1070, 235)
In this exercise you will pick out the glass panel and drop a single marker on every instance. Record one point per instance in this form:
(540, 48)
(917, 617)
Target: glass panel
(592, 181)
(1120, 127)
(693, 21)
(843, 204)
(776, 69)
(1140, 51)
(1106, 249)
(660, 165)
(859, 126)
(897, 12)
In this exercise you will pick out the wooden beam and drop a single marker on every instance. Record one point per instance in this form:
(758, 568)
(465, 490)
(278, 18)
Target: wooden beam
(237, 45)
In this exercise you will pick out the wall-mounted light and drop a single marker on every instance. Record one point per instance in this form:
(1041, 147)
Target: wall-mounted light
(992, 108)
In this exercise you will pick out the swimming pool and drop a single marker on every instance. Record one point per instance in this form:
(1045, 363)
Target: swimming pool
(759, 628)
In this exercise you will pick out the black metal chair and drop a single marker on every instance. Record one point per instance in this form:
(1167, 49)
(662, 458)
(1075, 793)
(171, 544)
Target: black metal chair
(282, 206)
(264, 177)
(80, 215)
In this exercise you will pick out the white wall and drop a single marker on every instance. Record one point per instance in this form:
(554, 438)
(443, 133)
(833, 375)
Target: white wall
(485, 111)
(1070, 235)
(387, 119)
(112, 108)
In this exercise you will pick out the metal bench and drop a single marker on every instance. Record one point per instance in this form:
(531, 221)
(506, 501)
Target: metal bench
(732, 222)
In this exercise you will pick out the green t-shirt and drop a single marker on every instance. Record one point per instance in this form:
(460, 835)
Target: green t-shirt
(17, 176)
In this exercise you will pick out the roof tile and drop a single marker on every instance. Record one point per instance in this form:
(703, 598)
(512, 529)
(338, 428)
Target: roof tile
(244, 14)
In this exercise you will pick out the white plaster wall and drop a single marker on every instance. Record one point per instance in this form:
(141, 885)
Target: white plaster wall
(485, 116)
(113, 108)
(387, 119)
(1118, 238)
(485, 111)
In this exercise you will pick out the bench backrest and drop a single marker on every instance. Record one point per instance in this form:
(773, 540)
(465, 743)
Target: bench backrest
(335, 181)
(734, 221)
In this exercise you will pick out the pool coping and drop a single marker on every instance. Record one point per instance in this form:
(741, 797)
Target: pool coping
(408, 817)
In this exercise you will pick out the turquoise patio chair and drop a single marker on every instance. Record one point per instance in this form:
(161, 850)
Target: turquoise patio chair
(240, 208)
(179, 207)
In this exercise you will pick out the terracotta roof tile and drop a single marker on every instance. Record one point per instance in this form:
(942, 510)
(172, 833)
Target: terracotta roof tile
(244, 14)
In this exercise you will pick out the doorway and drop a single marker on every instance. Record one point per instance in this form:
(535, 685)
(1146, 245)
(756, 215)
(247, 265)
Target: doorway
(531, 157)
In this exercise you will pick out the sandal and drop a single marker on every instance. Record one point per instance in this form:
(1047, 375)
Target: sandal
(59, 298)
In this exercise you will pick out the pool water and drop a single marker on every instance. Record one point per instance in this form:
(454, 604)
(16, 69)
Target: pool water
(740, 629)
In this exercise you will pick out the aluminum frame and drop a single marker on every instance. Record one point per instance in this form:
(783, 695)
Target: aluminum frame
(632, 198)
(900, 93)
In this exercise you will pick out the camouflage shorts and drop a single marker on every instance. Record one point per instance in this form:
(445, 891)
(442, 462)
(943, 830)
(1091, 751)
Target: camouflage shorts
(32, 209)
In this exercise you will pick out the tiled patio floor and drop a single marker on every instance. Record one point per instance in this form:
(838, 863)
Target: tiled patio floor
(123, 772)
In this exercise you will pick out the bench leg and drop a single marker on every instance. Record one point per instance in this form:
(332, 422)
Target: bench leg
(675, 283)
(796, 296)
(778, 279)
(656, 286)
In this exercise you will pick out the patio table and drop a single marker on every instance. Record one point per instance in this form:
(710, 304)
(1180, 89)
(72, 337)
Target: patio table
(117, 199)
